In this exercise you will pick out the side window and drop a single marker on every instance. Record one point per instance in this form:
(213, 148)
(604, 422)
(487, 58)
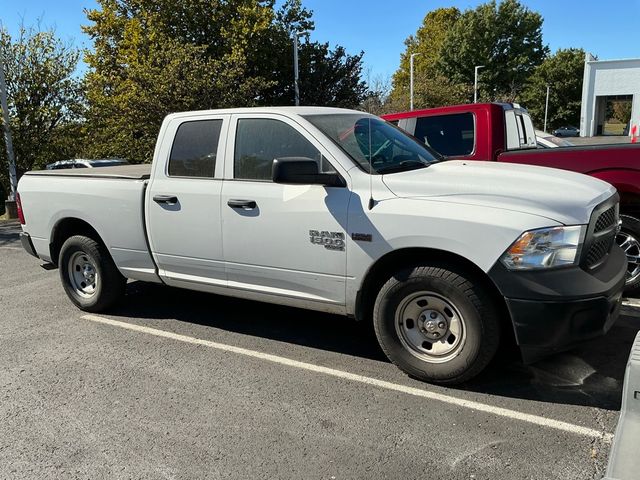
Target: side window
(447, 134)
(521, 133)
(194, 149)
(511, 130)
(530, 131)
(261, 140)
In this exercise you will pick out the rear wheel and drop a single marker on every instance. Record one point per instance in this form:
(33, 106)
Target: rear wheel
(629, 240)
(88, 274)
(436, 325)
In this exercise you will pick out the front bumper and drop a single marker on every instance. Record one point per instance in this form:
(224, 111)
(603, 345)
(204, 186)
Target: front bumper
(27, 244)
(557, 309)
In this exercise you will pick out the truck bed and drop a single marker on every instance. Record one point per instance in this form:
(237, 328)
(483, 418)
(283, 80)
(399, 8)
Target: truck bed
(133, 172)
(584, 159)
(108, 199)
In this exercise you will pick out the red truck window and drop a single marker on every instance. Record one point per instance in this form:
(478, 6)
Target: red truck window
(451, 135)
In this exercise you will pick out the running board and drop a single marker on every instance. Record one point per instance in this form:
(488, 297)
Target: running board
(624, 461)
(48, 266)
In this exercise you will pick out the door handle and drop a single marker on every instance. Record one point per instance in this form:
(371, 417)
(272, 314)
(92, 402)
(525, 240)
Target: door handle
(243, 204)
(166, 199)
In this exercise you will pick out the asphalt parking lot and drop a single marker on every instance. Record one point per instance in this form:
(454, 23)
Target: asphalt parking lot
(179, 384)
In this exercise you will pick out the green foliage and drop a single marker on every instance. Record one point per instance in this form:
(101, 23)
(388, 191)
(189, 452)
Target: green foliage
(563, 72)
(431, 88)
(44, 99)
(619, 111)
(153, 57)
(329, 77)
(506, 38)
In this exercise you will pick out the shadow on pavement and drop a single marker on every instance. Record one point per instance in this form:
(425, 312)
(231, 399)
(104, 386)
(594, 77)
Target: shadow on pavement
(591, 375)
(9, 233)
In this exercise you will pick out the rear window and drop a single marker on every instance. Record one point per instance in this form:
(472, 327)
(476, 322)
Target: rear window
(451, 135)
(519, 130)
(195, 148)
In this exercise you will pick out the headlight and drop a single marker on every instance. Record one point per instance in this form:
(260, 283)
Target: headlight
(545, 248)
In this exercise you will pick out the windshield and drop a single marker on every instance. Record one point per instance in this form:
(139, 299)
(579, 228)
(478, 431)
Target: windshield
(371, 141)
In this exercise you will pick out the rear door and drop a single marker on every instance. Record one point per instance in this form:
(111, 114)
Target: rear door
(284, 240)
(183, 204)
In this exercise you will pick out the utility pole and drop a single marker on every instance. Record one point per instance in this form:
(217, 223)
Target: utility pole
(296, 78)
(7, 131)
(546, 109)
(475, 83)
(411, 80)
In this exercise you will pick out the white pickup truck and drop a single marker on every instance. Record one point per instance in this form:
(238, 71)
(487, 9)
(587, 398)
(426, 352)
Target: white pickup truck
(337, 210)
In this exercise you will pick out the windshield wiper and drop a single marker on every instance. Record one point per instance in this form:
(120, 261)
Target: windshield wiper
(403, 166)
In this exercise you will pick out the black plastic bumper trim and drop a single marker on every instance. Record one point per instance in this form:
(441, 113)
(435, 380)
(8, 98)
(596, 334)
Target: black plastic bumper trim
(553, 310)
(542, 328)
(27, 244)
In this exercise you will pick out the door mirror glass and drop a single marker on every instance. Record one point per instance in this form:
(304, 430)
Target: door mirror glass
(303, 171)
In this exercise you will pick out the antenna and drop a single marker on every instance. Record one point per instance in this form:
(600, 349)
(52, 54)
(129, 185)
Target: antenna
(371, 200)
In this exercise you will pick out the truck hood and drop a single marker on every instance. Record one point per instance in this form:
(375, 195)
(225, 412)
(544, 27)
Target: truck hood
(559, 195)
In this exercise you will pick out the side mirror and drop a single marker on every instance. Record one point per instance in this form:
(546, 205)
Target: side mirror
(303, 171)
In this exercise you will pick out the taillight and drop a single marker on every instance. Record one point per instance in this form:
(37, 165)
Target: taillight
(19, 207)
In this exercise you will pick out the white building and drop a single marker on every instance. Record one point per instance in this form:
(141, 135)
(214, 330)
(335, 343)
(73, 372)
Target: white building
(610, 96)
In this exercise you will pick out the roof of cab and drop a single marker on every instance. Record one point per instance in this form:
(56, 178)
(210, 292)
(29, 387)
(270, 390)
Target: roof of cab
(288, 111)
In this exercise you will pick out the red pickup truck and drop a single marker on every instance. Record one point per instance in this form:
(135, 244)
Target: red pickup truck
(505, 133)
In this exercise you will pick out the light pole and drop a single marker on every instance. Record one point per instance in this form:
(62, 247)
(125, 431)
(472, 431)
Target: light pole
(296, 35)
(7, 131)
(411, 80)
(546, 109)
(475, 84)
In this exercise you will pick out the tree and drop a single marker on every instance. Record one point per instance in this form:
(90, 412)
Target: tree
(153, 57)
(506, 38)
(330, 77)
(431, 88)
(44, 99)
(563, 72)
(377, 96)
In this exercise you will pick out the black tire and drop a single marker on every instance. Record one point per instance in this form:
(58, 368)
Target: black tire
(477, 346)
(110, 285)
(631, 229)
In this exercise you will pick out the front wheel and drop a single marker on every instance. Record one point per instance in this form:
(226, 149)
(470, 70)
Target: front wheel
(629, 240)
(88, 274)
(436, 324)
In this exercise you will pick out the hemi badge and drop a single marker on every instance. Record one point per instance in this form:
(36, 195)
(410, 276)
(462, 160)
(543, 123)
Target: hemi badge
(362, 237)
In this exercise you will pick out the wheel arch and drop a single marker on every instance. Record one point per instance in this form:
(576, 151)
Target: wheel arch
(403, 258)
(630, 204)
(66, 228)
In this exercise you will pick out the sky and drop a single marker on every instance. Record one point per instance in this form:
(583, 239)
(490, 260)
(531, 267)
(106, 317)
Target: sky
(608, 29)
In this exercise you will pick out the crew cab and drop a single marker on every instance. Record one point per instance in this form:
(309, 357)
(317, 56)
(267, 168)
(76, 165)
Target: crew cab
(505, 133)
(339, 211)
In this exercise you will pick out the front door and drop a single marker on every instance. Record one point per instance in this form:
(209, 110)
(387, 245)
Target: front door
(284, 240)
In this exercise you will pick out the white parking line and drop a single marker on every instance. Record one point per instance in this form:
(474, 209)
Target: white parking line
(481, 407)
